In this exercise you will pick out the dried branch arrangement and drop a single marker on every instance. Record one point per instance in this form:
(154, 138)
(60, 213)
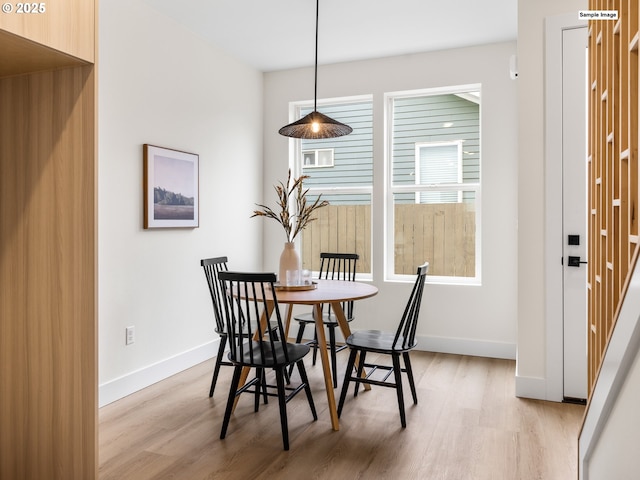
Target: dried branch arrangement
(294, 223)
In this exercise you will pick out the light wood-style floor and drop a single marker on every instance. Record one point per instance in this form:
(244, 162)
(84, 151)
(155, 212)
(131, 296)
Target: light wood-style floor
(467, 425)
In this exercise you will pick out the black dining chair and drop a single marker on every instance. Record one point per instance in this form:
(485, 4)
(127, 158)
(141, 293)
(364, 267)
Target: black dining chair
(395, 344)
(212, 267)
(333, 266)
(250, 297)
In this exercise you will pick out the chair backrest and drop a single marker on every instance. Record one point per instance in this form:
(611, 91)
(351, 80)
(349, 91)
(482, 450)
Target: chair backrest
(247, 297)
(339, 266)
(212, 267)
(406, 334)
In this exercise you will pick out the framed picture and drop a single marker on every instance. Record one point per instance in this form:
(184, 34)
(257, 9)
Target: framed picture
(170, 188)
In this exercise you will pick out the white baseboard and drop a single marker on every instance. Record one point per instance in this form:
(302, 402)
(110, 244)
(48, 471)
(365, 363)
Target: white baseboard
(531, 387)
(456, 346)
(463, 346)
(132, 382)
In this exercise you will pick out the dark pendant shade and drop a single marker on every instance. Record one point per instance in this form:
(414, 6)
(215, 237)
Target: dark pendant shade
(315, 125)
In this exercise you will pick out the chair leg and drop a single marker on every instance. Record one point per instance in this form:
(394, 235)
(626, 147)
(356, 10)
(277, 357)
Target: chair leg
(276, 337)
(260, 386)
(332, 349)
(263, 383)
(315, 346)
(307, 388)
(230, 401)
(347, 378)
(412, 384)
(282, 400)
(216, 369)
(287, 377)
(301, 326)
(363, 355)
(398, 376)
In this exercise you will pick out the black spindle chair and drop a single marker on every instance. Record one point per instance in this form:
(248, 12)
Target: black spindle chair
(333, 266)
(388, 343)
(251, 297)
(212, 267)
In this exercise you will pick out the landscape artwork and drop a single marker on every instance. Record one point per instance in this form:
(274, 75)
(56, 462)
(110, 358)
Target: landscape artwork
(170, 188)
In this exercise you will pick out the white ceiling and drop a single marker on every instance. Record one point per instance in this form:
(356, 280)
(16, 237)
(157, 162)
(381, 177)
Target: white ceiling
(279, 34)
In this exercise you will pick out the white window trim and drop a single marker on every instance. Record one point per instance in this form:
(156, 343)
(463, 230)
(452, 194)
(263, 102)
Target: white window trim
(390, 189)
(296, 159)
(345, 190)
(316, 151)
(418, 165)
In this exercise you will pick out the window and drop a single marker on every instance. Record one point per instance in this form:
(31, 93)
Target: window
(341, 170)
(317, 158)
(430, 184)
(438, 163)
(433, 194)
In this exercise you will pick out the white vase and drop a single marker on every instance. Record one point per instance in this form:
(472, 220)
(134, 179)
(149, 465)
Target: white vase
(289, 261)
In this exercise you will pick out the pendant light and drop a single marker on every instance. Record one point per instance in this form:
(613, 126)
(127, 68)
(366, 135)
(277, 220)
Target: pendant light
(315, 125)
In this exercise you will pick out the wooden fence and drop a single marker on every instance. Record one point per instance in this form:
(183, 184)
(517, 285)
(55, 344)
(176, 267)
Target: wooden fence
(442, 234)
(341, 229)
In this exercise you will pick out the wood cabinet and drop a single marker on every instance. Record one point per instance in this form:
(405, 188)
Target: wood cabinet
(48, 288)
(65, 26)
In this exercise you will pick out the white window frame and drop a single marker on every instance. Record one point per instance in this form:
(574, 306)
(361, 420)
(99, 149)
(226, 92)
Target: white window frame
(418, 167)
(296, 159)
(391, 190)
(316, 153)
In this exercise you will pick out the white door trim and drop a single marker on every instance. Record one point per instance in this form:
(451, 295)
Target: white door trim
(553, 246)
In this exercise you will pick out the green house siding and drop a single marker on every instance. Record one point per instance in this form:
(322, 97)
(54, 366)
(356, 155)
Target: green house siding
(419, 119)
(353, 153)
(424, 119)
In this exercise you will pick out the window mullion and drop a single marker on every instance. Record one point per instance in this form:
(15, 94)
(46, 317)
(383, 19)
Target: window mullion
(439, 187)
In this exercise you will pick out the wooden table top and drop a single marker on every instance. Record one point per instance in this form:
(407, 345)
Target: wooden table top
(328, 291)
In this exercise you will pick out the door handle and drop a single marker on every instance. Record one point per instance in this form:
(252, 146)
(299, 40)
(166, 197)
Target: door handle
(574, 262)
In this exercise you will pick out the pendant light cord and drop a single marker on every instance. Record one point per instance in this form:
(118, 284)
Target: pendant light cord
(315, 125)
(315, 86)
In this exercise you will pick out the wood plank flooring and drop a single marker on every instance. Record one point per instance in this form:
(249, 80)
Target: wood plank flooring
(468, 424)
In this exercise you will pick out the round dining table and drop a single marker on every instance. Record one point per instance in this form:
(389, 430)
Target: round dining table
(333, 292)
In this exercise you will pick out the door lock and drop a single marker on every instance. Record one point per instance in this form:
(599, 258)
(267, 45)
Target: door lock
(574, 261)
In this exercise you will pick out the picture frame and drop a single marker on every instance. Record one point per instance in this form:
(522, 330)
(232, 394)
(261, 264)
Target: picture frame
(170, 188)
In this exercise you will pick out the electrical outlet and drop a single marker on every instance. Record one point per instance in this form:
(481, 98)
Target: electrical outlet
(130, 335)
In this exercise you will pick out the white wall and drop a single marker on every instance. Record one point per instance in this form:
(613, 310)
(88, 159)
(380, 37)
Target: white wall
(478, 320)
(531, 361)
(145, 62)
(160, 84)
